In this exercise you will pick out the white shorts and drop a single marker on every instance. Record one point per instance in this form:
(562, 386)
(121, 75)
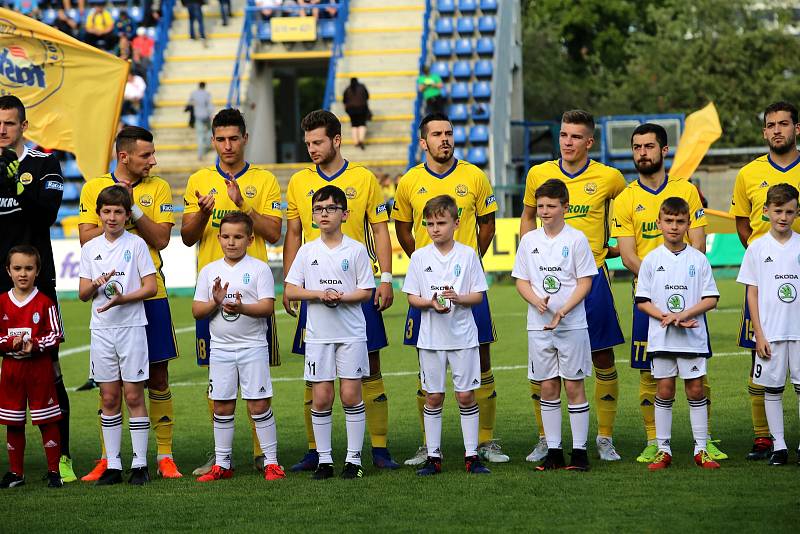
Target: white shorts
(685, 368)
(119, 353)
(772, 373)
(326, 361)
(228, 370)
(465, 364)
(554, 353)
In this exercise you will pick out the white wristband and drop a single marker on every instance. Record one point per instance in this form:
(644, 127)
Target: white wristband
(136, 212)
(386, 278)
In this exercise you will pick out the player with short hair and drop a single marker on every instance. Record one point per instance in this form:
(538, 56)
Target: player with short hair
(771, 270)
(553, 268)
(367, 223)
(779, 165)
(29, 330)
(635, 226)
(117, 274)
(592, 186)
(233, 184)
(676, 288)
(237, 294)
(444, 280)
(333, 273)
(152, 220)
(442, 174)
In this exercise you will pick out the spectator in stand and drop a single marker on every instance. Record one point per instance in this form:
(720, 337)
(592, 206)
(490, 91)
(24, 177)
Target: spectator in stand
(225, 11)
(356, 104)
(143, 43)
(26, 7)
(268, 8)
(134, 93)
(66, 24)
(430, 85)
(100, 28)
(195, 9)
(203, 108)
(139, 64)
(123, 49)
(320, 13)
(124, 25)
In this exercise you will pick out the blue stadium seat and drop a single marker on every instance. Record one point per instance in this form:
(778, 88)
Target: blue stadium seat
(327, 28)
(459, 91)
(442, 68)
(466, 26)
(264, 31)
(74, 14)
(467, 6)
(153, 31)
(479, 135)
(69, 169)
(459, 135)
(114, 13)
(444, 91)
(487, 25)
(56, 232)
(485, 46)
(446, 6)
(480, 113)
(481, 90)
(136, 13)
(49, 16)
(458, 153)
(464, 47)
(457, 113)
(442, 48)
(483, 69)
(72, 192)
(444, 26)
(462, 70)
(477, 156)
(488, 6)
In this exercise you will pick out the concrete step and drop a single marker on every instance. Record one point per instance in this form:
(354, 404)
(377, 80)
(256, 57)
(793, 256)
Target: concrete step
(377, 19)
(382, 107)
(402, 39)
(375, 81)
(198, 70)
(379, 62)
(357, 6)
(172, 136)
(183, 90)
(202, 48)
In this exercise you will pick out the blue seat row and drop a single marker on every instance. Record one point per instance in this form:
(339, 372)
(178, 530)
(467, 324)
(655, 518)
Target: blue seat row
(460, 113)
(477, 155)
(466, 6)
(136, 14)
(463, 70)
(478, 135)
(465, 26)
(463, 47)
(461, 91)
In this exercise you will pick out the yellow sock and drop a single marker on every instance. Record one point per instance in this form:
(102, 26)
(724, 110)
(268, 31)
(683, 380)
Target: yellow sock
(420, 407)
(647, 399)
(307, 397)
(606, 393)
(486, 398)
(707, 393)
(161, 419)
(536, 397)
(377, 407)
(100, 426)
(760, 426)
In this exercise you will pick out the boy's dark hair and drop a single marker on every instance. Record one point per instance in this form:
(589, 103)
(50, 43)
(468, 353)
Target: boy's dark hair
(579, 116)
(12, 102)
(430, 117)
(322, 118)
(553, 188)
(780, 194)
(649, 127)
(229, 117)
(114, 195)
(772, 108)
(330, 192)
(28, 250)
(236, 217)
(674, 206)
(440, 205)
(128, 135)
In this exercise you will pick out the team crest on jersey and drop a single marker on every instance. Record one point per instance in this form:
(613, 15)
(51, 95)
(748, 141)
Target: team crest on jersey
(457, 270)
(462, 190)
(246, 278)
(36, 317)
(127, 255)
(250, 191)
(551, 284)
(787, 293)
(590, 188)
(691, 271)
(565, 251)
(26, 178)
(350, 193)
(146, 201)
(676, 303)
(345, 265)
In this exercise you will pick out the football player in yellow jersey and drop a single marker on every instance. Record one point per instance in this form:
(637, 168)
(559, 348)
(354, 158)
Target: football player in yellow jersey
(152, 220)
(231, 185)
(367, 223)
(634, 225)
(442, 174)
(592, 186)
(780, 165)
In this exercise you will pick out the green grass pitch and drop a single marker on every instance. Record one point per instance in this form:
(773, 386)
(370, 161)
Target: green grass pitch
(620, 496)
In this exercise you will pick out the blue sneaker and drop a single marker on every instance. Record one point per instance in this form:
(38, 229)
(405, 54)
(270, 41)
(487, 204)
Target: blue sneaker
(382, 459)
(308, 462)
(474, 466)
(433, 466)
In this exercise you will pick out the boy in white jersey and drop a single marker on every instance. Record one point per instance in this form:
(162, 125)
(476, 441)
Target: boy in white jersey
(554, 269)
(444, 280)
(334, 274)
(237, 294)
(676, 288)
(771, 271)
(117, 274)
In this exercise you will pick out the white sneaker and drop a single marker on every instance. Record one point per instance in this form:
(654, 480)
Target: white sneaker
(491, 452)
(539, 452)
(606, 450)
(206, 467)
(419, 458)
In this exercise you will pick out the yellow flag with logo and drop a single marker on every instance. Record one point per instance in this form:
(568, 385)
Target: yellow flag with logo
(72, 91)
(700, 131)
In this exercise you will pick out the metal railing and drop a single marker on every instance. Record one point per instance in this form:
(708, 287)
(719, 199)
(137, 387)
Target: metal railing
(242, 55)
(156, 62)
(413, 146)
(336, 53)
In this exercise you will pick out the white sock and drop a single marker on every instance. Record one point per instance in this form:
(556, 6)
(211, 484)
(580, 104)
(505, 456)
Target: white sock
(140, 431)
(773, 405)
(267, 436)
(432, 417)
(223, 440)
(698, 416)
(112, 437)
(664, 423)
(579, 423)
(551, 421)
(355, 419)
(469, 429)
(321, 422)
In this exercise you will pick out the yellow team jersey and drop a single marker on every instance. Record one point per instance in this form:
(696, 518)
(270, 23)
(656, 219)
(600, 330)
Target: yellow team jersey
(591, 191)
(750, 191)
(465, 182)
(636, 211)
(152, 195)
(259, 188)
(364, 201)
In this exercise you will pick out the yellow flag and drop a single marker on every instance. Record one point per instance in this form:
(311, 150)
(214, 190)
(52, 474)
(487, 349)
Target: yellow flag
(72, 91)
(701, 129)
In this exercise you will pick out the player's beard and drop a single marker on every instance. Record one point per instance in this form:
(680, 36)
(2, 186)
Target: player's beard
(330, 156)
(441, 156)
(649, 169)
(785, 148)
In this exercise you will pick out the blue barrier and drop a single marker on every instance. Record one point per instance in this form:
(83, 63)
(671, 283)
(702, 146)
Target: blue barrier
(156, 62)
(423, 58)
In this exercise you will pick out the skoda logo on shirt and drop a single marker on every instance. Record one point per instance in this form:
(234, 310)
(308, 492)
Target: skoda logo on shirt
(345, 265)
(565, 251)
(787, 293)
(230, 317)
(112, 288)
(676, 303)
(551, 284)
(127, 255)
(457, 270)
(246, 278)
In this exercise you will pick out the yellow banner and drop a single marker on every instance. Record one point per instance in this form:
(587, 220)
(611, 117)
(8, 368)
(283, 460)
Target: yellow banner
(700, 131)
(72, 91)
(293, 29)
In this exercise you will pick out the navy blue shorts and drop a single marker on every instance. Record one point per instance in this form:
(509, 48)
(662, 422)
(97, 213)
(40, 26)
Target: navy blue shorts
(601, 314)
(376, 331)
(481, 313)
(161, 343)
(746, 327)
(203, 341)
